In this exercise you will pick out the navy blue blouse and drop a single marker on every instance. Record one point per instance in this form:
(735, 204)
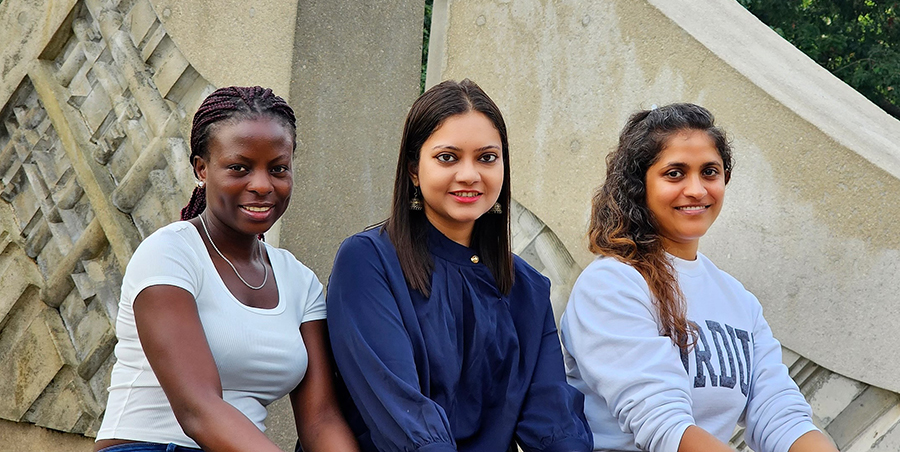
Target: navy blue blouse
(466, 369)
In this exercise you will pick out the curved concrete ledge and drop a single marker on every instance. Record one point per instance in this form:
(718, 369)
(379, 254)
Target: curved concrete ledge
(811, 226)
(791, 77)
(232, 42)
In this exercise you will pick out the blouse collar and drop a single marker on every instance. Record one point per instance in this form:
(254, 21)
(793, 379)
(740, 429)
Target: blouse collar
(443, 247)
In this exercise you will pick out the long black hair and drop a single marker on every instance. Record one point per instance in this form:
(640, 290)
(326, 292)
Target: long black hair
(407, 229)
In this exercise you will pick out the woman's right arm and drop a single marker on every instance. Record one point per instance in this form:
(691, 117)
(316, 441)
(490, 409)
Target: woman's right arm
(374, 354)
(610, 330)
(173, 340)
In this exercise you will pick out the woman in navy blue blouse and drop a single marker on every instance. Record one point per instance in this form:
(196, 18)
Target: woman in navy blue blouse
(445, 339)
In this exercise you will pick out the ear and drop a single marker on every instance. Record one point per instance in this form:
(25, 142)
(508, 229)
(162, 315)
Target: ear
(414, 173)
(200, 168)
(727, 177)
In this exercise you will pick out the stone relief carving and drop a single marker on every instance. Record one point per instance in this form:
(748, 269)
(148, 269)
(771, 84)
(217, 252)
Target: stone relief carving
(92, 159)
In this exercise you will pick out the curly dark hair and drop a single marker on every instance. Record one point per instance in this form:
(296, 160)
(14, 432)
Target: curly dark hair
(622, 225)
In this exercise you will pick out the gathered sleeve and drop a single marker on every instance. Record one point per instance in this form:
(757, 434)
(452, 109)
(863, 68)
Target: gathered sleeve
(552, 418)
(777, 413)
(374, 351)
(610, 329)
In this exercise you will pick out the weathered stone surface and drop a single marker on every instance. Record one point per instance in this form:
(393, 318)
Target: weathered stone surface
(22, 437)
(73, 127)
(254, 38)
(66, 404)
(356, 71)
(30, 366)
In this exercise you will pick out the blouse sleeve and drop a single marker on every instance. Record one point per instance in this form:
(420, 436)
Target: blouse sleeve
(610, 330)
(552, 418)
(374, 354)
(777, 413)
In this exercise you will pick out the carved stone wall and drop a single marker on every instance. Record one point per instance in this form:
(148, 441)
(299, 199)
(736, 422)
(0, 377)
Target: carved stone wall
(92, 159)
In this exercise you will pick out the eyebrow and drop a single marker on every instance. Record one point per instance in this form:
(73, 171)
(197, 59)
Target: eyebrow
(683, 165)
(455, 148)
(244, 159)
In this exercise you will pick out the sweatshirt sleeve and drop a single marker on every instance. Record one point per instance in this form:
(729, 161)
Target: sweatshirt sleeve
(374, 354)
(609, 328)
(777, 413)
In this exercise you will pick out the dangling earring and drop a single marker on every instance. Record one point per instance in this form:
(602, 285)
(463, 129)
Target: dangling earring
(416, 202)
(496, 208)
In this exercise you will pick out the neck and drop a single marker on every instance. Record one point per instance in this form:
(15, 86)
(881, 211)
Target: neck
(461, 235)
(235, 245)
(686, 251)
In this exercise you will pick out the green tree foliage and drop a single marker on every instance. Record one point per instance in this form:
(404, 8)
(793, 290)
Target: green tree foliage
(857, 40)
(426, 34)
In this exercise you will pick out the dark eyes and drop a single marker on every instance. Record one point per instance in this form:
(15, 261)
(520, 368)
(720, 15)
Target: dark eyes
(705, 172)
(446, 157)
(278, 169)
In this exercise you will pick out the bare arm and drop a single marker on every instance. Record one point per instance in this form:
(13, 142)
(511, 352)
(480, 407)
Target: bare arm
(695, 439)
(172, 337)
(813, 441)
(320, 425)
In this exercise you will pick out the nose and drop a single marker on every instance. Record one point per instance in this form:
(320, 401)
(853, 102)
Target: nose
(694, 187)
(467, 172)
(260, 182)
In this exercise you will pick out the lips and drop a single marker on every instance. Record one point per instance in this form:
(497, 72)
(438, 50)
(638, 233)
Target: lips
(258, 212)
(257, 208)
(693, 209)
(466, 196)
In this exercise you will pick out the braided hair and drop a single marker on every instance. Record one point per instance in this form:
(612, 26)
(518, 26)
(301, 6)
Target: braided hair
(231, 104)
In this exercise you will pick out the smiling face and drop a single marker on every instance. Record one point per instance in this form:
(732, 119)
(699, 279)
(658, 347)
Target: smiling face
(460, 173)
(685, 191)
(248, 174)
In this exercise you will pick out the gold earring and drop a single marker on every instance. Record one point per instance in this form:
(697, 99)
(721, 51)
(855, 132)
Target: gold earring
(496, 208)
(415, 204)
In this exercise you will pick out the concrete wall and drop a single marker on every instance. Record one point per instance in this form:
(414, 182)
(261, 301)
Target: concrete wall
(96, 99)
(810, 225)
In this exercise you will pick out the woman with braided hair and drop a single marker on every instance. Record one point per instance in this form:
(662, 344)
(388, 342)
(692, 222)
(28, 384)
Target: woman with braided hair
(671, 352)
(213, 323)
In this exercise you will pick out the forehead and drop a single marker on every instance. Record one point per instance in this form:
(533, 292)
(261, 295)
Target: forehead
(687, 146)
(240, 133)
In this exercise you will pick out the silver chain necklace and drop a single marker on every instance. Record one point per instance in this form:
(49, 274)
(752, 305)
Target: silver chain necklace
(265, 268)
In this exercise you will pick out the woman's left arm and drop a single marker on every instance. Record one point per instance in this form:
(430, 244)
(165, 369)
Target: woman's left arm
(777, 416)
(320, 425)
(552, 418)
(813, 441)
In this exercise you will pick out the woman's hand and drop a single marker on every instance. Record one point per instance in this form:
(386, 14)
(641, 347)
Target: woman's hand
(173, 340)
(320, 425)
